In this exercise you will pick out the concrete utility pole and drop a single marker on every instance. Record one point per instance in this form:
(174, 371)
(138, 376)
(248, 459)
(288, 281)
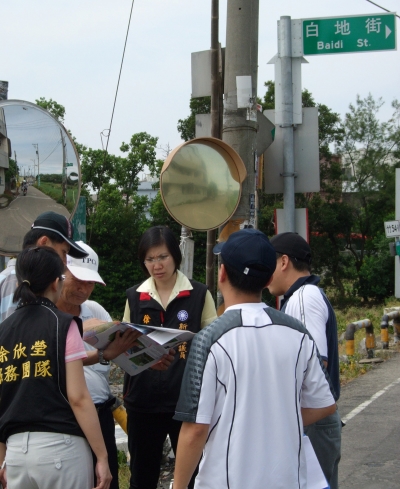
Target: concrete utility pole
(240, 124)
(285, 53)
(215, 129)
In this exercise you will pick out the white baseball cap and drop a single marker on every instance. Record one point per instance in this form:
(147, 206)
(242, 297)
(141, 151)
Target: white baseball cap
(85, 268)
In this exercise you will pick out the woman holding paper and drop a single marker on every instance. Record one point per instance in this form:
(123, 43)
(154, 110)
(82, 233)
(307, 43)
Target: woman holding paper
(167, 298)
(47, 416)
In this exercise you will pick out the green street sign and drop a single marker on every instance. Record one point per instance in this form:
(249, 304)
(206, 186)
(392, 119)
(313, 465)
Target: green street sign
(350, 34)
(69, 164)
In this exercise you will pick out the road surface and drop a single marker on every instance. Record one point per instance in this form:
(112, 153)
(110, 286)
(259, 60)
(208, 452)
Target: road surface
(17, 218)
(371, 438)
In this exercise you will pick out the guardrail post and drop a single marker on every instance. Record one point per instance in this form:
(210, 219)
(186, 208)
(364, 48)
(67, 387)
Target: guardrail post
(396, 328)
(385, 332)
(369, 336)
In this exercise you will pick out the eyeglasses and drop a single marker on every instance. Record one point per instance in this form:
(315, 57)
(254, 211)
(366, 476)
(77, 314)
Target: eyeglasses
(158, 259)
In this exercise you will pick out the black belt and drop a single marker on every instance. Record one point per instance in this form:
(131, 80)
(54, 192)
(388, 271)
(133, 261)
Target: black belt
(105, 405)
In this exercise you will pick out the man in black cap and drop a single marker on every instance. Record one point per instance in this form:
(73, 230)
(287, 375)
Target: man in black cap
(305, 301)
(253, 379)
(49, 229)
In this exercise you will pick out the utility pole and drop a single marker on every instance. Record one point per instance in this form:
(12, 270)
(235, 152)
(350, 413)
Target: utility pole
(35, 145)
(285, 53)
(215, 129)
(240, 124)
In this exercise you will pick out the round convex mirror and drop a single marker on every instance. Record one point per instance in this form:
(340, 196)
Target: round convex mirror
(35, 148)
(201, 183)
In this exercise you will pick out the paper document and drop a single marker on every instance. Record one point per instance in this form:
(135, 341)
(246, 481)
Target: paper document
(148, 349)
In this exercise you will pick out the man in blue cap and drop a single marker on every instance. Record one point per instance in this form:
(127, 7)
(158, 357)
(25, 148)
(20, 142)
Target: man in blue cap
(252, 381)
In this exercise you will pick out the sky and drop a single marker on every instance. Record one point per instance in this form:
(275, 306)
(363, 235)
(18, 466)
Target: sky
(71, 52)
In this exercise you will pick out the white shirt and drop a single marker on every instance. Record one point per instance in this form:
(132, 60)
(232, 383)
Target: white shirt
(96, 375)
(308, 306)
(248, 379)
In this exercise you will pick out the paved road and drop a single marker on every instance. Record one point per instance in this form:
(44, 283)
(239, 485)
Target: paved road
(371, 437)
(17, 218)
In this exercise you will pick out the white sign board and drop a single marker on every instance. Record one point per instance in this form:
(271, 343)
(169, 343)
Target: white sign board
(306, 155)
(392, 229)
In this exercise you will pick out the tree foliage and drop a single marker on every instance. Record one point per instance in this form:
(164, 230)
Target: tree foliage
(55, 109)
(187, 127)
(347, 227)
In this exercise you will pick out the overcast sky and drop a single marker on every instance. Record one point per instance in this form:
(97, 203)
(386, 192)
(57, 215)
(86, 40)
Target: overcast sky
(71, 52)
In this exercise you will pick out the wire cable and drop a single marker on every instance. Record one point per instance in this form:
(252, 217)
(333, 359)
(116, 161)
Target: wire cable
(119, 78)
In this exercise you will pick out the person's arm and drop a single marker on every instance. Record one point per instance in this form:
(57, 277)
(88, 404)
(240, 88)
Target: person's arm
(209, 314)
(3, 477)
(192, 439)
(86, 415)
(312, 415)
(308, 306)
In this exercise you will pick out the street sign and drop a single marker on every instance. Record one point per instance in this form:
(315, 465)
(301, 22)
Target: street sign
(349, 34)
(392, 229)
(69, 164)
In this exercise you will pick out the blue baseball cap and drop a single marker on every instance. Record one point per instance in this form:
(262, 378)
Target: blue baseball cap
(250, 252)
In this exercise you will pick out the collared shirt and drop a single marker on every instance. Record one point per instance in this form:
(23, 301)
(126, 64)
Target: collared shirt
(305, 301)
(182, 283)
(8, 285)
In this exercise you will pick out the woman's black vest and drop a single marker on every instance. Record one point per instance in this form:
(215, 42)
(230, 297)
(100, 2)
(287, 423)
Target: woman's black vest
(158, 391)
(33, 393)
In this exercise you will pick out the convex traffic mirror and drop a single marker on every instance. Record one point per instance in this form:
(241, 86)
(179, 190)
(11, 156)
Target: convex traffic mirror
(35, 148)
(201, 183)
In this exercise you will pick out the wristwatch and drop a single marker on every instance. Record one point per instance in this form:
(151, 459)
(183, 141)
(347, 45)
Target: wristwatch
(102, 360)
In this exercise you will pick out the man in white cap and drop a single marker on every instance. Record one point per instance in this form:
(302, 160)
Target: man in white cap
(80, 278)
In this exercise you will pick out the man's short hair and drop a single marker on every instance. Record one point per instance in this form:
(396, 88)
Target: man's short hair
(244, 283)
(249, 259)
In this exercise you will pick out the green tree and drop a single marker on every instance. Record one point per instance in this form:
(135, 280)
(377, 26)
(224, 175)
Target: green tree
(12, 171)
(97, 168)
(141, 155)
(115, 229)
(369, 152)
(187, 127)
(55, 109)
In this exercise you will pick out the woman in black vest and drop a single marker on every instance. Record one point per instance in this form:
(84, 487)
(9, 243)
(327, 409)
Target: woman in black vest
(167, 298)
(46, 412)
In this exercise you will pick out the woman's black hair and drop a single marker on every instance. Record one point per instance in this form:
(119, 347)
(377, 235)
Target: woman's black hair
(36, 269)
(158, 236)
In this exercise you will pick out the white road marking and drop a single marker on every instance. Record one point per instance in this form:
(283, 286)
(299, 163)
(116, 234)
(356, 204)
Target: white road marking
(365, 404)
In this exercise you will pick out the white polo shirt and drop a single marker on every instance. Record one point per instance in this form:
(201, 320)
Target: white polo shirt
(248, 378)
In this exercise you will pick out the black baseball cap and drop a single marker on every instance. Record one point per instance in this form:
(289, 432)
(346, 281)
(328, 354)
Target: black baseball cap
(57, 223)
(293, 245)
(246, 249)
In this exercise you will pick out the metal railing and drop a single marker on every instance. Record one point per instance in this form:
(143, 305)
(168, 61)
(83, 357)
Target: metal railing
(369, 336)
(395, 315)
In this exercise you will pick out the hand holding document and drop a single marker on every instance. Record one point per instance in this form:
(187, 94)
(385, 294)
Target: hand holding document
(148, 349)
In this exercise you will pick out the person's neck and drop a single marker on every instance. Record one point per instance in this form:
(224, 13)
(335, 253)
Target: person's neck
(294, 277)
(233, 297)
(68, 307)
